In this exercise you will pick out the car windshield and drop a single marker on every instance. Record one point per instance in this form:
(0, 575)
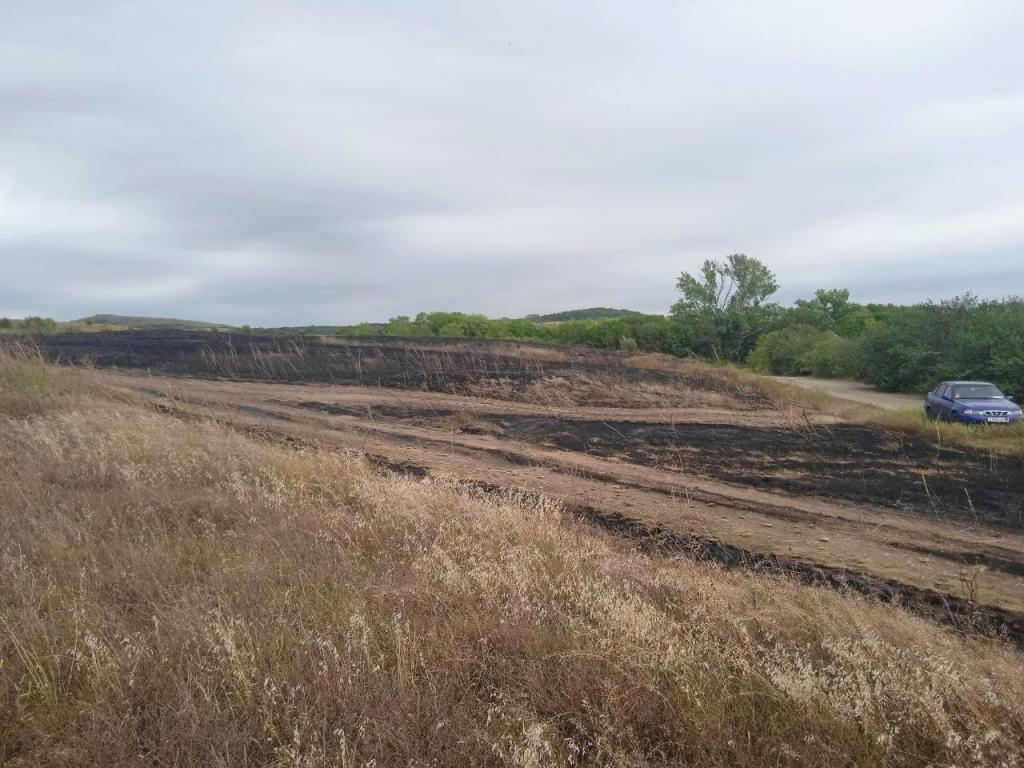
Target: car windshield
(977, 392)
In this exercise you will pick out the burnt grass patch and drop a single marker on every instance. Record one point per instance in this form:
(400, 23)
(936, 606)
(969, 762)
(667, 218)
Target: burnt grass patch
(457, 366)
(286, 358)
(855, 463)
(852, 462)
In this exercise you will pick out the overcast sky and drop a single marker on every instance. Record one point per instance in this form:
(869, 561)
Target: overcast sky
(297, 162)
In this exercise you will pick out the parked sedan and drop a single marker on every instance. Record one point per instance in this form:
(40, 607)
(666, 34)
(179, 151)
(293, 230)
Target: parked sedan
(971, 402)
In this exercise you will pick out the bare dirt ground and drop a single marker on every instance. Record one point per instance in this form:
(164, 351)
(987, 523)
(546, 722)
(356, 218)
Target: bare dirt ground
(857, 391)
(678, 457)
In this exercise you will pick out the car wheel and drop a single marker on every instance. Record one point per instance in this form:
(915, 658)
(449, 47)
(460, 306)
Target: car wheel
(929, 413)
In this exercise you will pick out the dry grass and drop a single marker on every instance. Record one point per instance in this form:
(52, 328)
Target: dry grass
(29, 386)
(178, 594)
(742, 385)
(604, 383)
(603, 389)
(998, 438)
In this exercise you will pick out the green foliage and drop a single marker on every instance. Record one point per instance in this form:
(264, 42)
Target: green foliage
(723, 308)
(903, 353)
(783, 352)
(834, 357)
(826, 311)
(403, 326)
(912, 348)
(29, 324)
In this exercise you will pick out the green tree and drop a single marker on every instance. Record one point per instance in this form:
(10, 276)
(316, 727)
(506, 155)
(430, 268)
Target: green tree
(403, 326)
(825, 311)
(725, 305)
(905, 351)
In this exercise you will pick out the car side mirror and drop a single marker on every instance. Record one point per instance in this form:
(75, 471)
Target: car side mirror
(1012, 398)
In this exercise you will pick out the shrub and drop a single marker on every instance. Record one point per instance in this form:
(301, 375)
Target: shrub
(627, 344)
(834, 357)
(782, 352)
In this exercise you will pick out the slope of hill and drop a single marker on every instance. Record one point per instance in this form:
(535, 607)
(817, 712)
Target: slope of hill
(590, 313)
(363, 329)
(129, 321)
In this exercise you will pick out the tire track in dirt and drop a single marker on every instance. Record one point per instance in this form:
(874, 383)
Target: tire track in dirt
(852, 542)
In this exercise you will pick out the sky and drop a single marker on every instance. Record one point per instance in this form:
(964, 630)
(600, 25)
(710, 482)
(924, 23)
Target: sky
(319, 161)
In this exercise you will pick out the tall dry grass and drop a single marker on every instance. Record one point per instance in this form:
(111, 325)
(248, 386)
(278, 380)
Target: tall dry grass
(603, 389)
(1006, 439)
(29, 386)
(177, 594)
(756, 390)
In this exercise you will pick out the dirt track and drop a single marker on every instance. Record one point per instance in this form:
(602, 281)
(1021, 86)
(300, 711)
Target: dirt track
(857, 391)
(847, 499)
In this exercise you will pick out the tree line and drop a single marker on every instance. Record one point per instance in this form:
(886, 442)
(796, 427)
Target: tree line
(724, 313)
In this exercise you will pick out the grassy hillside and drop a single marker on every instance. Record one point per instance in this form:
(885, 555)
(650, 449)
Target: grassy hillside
(178, 593)
(364, 329)
(128, 321)
(591, 313)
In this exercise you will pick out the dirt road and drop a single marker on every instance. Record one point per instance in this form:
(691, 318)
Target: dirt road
(856, 391)
(837, 499)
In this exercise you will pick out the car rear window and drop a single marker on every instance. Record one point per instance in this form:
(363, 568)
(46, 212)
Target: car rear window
(976, 392)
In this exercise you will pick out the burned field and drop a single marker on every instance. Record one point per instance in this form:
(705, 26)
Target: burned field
(695, 453)
(496, 369)
(283, 358)
(855, 463)
(850, 462)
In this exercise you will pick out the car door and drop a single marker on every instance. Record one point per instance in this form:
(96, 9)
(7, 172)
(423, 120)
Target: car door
(934, 400)
(946, 402)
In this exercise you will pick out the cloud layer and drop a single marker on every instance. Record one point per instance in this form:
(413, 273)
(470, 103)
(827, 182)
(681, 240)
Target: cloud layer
(320, 161)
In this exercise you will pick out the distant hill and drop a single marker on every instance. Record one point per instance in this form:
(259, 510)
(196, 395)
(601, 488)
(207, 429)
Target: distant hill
(591, 313)
(363, 329)
(152, 322)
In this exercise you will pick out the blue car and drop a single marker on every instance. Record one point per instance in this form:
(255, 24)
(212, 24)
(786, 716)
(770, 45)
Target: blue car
(971, 402)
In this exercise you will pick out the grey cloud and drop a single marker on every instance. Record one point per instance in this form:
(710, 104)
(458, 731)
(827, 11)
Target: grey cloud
(332, 162)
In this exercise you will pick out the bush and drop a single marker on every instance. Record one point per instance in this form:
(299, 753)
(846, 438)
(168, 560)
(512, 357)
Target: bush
(782, 352)
(627, 344)
(834, 357)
